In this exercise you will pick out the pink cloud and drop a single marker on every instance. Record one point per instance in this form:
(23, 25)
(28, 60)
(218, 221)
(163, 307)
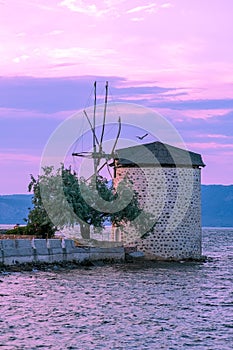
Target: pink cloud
(149, 50)
(210, 146)
(15, 171)
(15, 156)
(146, 8)
(14, 113)
(218, 170)
(182, 44)
(215, 136)
(182, 116)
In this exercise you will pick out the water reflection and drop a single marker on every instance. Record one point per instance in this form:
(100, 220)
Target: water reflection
(164, 306)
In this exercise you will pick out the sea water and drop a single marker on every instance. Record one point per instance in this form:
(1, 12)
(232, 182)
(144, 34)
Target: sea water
(168, 306)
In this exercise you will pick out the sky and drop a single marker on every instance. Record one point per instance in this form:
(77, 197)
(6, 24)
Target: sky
(174, 57)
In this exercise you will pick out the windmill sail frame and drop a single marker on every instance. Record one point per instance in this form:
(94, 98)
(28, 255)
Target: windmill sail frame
(98, 155)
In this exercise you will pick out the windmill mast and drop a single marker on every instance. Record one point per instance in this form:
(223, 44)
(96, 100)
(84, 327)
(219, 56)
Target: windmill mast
(98, 154)
(94, 135)
(104, 119)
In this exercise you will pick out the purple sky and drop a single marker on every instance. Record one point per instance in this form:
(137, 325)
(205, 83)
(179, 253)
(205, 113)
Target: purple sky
(175, 57)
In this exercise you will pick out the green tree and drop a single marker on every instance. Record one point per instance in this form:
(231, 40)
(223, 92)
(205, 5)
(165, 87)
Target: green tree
(38, 221)
(62, 199)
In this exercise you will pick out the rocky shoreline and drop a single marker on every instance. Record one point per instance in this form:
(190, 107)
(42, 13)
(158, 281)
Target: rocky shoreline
(58, 266)
(137, 263)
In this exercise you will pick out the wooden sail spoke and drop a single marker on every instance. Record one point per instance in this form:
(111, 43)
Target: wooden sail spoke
(104, 118)
(98, 155)
(92, 129)
(117, 137)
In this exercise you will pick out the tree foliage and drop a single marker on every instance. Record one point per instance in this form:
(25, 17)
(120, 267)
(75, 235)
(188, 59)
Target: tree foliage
(62, 199)
(39, 222)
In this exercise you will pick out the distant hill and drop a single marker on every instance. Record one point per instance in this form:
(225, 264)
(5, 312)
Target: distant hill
(14, 208)
(217, 206)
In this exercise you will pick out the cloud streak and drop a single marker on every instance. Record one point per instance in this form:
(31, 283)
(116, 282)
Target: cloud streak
(51, 95)
(83, 8)
(172, 56)
(147, 8)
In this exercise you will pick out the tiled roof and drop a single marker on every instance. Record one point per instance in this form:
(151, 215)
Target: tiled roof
(158, 153)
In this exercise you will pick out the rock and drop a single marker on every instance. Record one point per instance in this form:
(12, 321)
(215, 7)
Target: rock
(136, 255)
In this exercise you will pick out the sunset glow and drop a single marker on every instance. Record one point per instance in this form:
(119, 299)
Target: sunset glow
(175, 57)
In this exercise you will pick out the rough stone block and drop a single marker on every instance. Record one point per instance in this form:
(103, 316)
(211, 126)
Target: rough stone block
(55, 245)
(69, 246)
(9, 248)
(41, 247)
(1, 256)
(24, 247)
(117, 253)
(80, 254)
(40, 252)
(8, 244)
(16, 251)
(56, 252)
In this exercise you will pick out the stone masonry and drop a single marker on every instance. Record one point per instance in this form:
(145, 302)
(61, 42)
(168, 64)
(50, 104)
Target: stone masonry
(172, 195)
(22, 251)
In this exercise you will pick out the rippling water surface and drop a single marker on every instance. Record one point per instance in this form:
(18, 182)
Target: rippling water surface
(164, 306)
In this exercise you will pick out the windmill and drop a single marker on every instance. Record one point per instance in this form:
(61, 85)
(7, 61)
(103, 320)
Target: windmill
(98, 154)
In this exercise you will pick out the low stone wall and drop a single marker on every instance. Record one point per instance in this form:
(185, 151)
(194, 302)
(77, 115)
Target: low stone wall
(21, 251)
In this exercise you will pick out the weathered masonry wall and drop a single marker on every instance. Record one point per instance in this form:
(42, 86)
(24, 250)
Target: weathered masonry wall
(21, 251)
(173, 197)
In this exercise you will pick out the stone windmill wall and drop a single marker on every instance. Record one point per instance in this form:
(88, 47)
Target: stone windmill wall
(171, 193)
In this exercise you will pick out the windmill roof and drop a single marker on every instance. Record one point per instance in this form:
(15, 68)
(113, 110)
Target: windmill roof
(157, 153)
